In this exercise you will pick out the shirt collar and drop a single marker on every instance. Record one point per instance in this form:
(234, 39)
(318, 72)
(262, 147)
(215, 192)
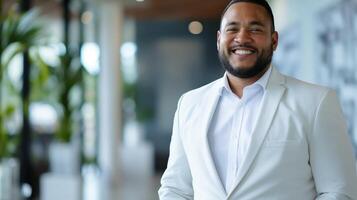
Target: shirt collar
(262, 81)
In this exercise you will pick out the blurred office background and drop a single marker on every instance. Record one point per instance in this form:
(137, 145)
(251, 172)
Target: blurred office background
(88, 88)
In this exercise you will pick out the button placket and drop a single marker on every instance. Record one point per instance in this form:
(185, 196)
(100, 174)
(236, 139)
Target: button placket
(241, 119)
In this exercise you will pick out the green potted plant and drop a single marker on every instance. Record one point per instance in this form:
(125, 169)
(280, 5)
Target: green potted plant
(64, 150)
(67, 80)
(18, 33)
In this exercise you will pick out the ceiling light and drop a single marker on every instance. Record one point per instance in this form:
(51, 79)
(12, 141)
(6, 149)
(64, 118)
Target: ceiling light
(87, 17)
(195, 27)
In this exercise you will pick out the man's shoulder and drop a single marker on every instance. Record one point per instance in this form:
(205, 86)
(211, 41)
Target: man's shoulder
(202, 92)
(302, 86)
(194, 99)
(305, 92)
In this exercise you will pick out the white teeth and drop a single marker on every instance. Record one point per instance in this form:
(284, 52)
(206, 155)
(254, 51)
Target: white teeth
(243, 52)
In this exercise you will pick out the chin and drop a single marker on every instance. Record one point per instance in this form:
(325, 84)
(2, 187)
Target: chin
(242, 67)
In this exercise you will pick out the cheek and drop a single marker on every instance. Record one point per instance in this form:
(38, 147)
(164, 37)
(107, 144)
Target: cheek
(224, 43)
(226, 39)
(262, 40)
(264, 44)
(221, 46)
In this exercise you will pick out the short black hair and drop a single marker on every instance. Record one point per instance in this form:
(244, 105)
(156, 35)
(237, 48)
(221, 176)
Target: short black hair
(259, 2)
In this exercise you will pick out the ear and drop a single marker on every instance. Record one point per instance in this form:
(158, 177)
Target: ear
(218, 39)
(275, 40)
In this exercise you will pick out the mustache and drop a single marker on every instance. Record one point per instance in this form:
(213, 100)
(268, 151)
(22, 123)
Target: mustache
(243, 46)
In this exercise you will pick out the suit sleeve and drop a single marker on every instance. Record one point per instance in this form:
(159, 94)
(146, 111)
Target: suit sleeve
(176, 182)
(331, 153)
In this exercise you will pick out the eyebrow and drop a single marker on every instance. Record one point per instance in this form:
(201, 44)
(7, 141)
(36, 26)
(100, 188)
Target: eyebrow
(256, 23)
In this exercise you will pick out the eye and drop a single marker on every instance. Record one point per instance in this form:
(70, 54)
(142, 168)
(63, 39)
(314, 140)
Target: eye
(231, 29)
(256, 30)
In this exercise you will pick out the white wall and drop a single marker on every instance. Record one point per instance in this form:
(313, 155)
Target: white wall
(318, 43)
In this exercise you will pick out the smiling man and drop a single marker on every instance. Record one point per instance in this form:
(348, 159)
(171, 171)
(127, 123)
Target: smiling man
(255, 133)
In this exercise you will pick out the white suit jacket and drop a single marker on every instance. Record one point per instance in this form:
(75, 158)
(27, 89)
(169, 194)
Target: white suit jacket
(299, 149)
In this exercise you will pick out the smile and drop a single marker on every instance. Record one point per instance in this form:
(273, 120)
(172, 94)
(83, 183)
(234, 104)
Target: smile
(242, 52)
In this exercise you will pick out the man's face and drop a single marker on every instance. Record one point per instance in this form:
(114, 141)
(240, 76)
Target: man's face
(245, 41)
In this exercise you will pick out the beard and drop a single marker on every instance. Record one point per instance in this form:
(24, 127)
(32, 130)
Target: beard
(263, 61)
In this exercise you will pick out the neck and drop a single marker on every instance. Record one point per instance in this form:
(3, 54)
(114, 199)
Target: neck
(238, 84)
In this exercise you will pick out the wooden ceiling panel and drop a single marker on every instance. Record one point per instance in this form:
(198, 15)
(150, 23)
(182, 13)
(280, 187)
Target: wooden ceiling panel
(177, 9)
(149, 9)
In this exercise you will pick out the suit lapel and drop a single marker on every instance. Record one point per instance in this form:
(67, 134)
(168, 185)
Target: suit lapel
(208, 109)
(270, 102)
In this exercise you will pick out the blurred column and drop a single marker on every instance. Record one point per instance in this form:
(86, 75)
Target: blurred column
(26, 168)
(109, 99)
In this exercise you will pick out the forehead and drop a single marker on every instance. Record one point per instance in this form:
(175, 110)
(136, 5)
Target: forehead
(244, 12)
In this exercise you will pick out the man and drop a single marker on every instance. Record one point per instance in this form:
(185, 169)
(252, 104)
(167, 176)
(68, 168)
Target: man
(255, 133)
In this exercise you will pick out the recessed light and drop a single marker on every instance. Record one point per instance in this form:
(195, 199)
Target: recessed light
(87, 17)
(195, 27)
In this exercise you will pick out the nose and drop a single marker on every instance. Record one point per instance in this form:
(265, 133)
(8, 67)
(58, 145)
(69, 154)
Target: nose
(243, 37)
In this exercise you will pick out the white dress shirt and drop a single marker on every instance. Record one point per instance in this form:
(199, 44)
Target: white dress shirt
(229, 135)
